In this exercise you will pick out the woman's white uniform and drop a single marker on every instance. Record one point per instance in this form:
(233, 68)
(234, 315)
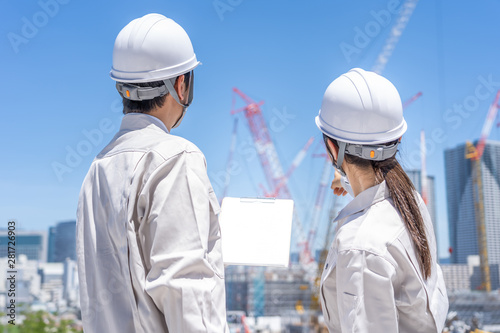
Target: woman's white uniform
(372, 280)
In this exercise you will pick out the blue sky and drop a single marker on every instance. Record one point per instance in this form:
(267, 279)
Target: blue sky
(60, 107)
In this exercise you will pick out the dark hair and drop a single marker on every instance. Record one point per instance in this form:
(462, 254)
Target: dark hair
(402, 193)
(147, 106)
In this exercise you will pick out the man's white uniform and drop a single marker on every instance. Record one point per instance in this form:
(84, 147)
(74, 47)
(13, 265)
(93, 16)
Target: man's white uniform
(148, 237)
(372, 280)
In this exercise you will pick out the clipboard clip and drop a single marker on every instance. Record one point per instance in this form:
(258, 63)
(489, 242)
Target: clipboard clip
(258, 199)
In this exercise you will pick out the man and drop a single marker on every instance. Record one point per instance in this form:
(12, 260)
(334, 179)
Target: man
(148, 238)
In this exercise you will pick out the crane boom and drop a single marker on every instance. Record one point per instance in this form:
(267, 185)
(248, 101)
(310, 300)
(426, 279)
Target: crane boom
(395, 34)
(264, 145)
(488, 124)
(295, 163)
(412, 99)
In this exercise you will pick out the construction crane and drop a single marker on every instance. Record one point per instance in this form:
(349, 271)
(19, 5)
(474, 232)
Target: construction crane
(318, 203)
(296, 162)
(412, 99)
(273, 171)
(229, 165)
(396, 32)
(269, 160)
(475, 154)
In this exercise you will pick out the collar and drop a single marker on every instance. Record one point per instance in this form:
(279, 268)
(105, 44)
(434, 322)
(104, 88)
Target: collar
(135, 121)
(364, 200)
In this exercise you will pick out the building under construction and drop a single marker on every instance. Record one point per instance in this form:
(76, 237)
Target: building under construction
(267, 291)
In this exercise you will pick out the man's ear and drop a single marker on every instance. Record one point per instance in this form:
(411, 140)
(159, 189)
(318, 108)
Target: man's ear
(334, 150)
(180, 87)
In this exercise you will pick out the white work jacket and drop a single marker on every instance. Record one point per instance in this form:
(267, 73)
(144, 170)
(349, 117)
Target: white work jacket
(372, 280)
(148, 236)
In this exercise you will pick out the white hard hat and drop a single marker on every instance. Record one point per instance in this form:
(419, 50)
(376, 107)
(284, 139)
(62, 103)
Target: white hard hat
(361, 107)
(152, 48)
(362, 111)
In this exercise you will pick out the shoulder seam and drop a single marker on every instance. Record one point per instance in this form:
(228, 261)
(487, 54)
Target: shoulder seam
(370, 252)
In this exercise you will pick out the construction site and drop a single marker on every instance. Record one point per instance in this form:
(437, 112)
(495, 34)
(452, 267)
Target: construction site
(265, 299)
(265, 68)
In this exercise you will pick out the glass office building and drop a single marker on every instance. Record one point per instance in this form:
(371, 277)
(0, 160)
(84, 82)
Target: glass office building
(460, 197)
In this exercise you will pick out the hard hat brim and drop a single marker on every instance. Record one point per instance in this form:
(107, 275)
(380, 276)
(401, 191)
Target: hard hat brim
(157, 75)
(364, 138)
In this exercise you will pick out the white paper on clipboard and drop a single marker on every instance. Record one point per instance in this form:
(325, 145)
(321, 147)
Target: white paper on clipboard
(256, 231)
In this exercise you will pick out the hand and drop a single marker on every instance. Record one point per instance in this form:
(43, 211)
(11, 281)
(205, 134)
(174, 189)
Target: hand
(337, 186)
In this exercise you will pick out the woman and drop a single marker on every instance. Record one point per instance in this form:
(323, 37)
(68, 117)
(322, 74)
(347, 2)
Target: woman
(381, 274)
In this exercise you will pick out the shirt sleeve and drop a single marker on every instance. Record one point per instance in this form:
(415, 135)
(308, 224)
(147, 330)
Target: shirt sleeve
(180, 241)
(365, 293)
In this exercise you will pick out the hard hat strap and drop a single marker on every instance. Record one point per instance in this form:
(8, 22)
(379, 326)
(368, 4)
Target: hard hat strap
(170, 87)
(340, 157)
(137, 93)
(169, 83)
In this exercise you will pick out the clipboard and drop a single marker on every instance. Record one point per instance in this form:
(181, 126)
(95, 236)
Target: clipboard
(256, 231)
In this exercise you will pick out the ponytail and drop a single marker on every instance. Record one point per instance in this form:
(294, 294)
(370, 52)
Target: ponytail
(402, 193)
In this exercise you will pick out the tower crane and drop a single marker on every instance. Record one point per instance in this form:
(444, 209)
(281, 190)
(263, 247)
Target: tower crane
(269, 159)
(475, 154)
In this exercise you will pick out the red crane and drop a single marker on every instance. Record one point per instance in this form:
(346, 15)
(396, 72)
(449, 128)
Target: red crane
(411, 100)
(269, 160)
(266, 151)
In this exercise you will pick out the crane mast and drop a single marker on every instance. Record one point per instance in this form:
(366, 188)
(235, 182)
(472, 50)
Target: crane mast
(475, 154)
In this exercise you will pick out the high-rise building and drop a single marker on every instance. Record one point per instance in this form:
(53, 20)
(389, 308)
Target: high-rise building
(416, 179)
(51, 244)
(62, 242)
(460, 197)
(30, 243)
